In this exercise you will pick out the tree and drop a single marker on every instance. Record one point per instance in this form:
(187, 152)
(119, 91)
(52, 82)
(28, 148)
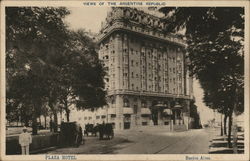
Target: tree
(47, 64)
(34, 36)
(82, 75)
(215, 38)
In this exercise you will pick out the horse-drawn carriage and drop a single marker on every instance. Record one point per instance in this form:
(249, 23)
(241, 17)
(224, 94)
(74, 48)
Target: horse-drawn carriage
(90, 128)
(104, 130)
(71, 134)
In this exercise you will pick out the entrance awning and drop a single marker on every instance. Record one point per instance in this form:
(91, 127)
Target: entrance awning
(160, 105)
(177, 106)
(167, 111)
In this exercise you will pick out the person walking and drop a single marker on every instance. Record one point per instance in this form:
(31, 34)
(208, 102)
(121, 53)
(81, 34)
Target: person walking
(25, 140)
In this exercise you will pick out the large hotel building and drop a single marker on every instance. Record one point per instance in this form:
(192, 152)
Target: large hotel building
(147, 78)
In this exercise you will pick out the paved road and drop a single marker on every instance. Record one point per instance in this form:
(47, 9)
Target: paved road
(147, 141)
(160, 142)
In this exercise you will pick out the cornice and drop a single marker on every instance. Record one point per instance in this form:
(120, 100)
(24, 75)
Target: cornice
(136, 21)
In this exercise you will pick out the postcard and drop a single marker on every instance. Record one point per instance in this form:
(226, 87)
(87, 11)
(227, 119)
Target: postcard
(124, 80)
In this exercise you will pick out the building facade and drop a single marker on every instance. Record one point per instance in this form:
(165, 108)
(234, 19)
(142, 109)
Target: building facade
(147, 78)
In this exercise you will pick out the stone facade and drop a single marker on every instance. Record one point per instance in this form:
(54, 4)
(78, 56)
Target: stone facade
(147, 79)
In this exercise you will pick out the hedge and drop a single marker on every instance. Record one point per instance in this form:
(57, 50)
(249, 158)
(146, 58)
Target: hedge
(39, 142)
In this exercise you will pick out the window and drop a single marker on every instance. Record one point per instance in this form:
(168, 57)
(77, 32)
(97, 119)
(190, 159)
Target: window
(126, 102)
(132, 75)
(132, 63)
(113, 101)
(143, 104)
(135, 109)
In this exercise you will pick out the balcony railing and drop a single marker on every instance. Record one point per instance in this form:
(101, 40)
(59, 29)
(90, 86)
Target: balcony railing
(145, 111)
(101, 112)
(111, 111)
(146, 93)
(127, 110)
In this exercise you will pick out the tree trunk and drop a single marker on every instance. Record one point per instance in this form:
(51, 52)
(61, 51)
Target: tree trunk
(225, 124)
(55, 127)
(54, 111)
(34, 125)
(230, 130)
(40, 121)
(221, 126)
(235, 148)
(66, 109)
(67, 114)
(45, 122)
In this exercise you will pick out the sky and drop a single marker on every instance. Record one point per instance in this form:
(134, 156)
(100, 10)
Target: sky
(90, 18)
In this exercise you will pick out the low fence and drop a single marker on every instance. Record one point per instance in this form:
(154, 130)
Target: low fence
(39, 142)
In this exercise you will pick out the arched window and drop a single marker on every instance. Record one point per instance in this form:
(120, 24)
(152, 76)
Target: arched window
(113, 103)
(126, 102)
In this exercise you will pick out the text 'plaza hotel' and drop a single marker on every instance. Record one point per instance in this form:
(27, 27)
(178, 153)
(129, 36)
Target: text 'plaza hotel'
(147, 78)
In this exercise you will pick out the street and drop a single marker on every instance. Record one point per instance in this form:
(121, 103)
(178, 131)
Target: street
(147, 141)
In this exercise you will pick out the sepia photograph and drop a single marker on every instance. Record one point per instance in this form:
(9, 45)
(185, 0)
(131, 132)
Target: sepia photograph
(119, 80)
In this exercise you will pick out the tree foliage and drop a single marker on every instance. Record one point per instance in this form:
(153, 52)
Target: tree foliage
(215, 38)
(47, 64)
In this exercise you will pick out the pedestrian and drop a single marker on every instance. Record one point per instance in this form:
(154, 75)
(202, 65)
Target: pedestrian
(25, 140)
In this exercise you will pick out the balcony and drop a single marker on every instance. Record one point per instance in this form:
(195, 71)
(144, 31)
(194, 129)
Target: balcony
(127, 110)
(145, 111)
(111, 111)
(101, 112)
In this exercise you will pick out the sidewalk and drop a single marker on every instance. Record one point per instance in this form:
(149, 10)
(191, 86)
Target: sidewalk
(219, 145)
